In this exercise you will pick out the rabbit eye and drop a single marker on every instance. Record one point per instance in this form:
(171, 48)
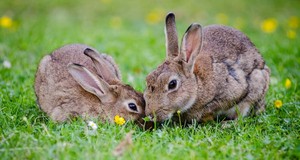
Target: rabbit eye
(172, 84)
(132, 106)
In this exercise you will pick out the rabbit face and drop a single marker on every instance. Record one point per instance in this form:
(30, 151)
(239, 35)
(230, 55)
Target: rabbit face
(173, 85)
(128, 103)
(168, 90)
(115, 97)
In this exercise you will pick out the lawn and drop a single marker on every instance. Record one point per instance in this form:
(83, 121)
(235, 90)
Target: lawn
(132, 33)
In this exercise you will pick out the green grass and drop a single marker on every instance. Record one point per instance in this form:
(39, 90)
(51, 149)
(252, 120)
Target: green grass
(121, 29)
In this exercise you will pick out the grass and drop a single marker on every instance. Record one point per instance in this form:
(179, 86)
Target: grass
(137, 44)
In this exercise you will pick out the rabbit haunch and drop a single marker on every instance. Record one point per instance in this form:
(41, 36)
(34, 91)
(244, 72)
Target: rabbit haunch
(216, 69)
(77, 81)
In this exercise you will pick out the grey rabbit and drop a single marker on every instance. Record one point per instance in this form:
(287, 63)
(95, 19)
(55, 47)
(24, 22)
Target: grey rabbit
(75, 80)
(216, 71)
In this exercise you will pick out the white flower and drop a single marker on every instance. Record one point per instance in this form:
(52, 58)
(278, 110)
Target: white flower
(6, 64)
(93, 125)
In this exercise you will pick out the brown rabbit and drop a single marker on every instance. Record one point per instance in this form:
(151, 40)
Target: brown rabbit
(217, 71)
(76, 81)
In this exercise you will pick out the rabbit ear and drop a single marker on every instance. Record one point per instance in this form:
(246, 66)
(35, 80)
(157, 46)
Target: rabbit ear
(105, 68)
(89, 81)
(171, 36)
(191, 44)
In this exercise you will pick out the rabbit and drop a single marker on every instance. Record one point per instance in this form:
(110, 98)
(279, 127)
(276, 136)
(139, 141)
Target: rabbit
(216, 72)
(75, 80)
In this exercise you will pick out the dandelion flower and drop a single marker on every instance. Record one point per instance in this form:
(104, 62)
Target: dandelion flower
(291, 34)
(293, 22)
(93, 125)
(119, 120)
(278, 103)
(6, 64)
(6, 22)
(269, 25)
(155, 16)
(288, 83)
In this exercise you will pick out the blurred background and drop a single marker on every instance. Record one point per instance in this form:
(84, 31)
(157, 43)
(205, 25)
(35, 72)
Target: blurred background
(132, 31)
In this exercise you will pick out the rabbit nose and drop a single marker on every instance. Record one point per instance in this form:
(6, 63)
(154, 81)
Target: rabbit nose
(146, 124)
(150, 116)
(148, 111)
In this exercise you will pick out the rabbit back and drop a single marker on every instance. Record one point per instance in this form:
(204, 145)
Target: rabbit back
(58, 94)
(231, 47)
(238, 74)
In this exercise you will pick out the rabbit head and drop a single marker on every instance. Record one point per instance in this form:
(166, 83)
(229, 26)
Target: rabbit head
(173, 85)
(116, 97)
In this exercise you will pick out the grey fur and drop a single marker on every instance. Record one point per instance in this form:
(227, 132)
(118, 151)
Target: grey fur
(228, 72)
(61, 97)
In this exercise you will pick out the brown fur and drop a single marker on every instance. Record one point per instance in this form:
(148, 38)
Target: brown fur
(227, 72)
(61, 97)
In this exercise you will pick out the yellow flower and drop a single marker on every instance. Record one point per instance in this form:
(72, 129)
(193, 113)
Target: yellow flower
(222, 18)
(278, 103)
(119, 120)
(269, 25)
(288, 83)
(293, 22)
(155, 16)
(291, 34)
(178, 112)
(6, 22)
(115, 22)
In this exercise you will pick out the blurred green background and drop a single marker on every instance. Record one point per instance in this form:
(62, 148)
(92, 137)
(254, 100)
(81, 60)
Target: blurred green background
(118, 28)
(132, 32)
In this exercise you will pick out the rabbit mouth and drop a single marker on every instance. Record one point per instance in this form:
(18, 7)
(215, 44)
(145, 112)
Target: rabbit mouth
(153, 118)
(161, 115)
(147, 125)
